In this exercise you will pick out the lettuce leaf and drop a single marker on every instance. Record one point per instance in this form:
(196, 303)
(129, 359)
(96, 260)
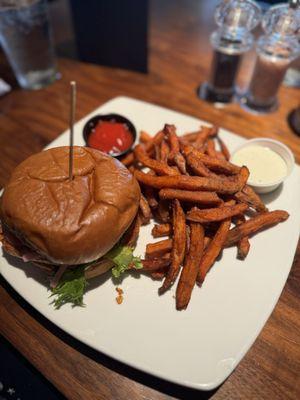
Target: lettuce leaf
(71, 288)
(123, 259)
(73, 283)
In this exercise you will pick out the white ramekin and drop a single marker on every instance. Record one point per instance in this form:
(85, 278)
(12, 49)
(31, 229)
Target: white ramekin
(278, 148)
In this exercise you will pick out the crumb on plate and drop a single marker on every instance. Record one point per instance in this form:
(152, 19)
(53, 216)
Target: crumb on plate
(119, 298)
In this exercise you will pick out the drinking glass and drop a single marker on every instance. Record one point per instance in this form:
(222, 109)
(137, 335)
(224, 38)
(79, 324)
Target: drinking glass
(26, 38)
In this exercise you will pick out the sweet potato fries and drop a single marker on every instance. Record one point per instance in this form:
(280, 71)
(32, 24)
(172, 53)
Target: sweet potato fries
(200, 202)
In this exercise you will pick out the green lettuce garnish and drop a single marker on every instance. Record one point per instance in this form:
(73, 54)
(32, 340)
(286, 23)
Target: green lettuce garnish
(123, 259)
(73, 283)
(70, 288)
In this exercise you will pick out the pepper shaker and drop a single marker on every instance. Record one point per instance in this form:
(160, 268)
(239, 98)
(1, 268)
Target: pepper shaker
(236, 19)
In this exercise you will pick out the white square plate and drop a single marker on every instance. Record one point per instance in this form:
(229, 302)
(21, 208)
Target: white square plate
(198, 347)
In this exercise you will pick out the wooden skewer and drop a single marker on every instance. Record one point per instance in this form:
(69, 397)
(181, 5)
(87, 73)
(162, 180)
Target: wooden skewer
(72, 120)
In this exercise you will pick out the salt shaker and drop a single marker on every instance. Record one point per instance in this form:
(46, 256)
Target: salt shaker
(276, 49)
(236, 19)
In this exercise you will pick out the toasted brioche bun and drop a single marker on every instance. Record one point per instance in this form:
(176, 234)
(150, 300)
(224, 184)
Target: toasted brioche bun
(70, 222)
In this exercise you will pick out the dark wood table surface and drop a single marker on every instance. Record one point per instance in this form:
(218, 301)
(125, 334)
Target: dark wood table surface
(179, 61)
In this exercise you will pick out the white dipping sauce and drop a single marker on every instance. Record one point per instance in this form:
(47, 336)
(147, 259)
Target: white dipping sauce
(265, 165)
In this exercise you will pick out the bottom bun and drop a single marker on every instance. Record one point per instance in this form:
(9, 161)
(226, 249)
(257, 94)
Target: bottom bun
(92, 271)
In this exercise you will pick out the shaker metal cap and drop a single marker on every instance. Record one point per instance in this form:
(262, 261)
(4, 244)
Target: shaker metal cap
(238, 15)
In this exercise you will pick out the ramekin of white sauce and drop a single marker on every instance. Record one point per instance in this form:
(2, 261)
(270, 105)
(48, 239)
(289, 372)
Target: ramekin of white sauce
(269, 161)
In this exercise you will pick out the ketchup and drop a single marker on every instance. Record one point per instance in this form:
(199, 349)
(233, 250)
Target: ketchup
(110, 137)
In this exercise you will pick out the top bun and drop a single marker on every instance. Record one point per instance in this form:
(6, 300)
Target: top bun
(70, 222)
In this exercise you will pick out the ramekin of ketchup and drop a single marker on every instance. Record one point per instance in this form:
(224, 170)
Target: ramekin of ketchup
(112, 133)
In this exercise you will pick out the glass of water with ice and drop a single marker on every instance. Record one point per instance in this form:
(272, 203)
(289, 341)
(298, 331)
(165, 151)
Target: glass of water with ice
(26, 38)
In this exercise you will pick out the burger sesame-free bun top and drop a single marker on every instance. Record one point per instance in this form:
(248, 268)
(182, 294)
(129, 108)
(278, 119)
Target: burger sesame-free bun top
(70, 222)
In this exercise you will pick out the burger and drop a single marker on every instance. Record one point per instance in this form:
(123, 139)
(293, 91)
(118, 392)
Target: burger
(71, 228)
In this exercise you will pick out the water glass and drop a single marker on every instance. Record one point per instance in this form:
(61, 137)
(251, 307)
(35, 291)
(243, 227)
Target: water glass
(26, 38)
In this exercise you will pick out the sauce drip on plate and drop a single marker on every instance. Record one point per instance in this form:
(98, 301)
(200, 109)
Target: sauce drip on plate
(110, 137)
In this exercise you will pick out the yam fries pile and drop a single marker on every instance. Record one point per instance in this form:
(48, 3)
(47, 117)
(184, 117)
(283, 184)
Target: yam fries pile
(202, 204)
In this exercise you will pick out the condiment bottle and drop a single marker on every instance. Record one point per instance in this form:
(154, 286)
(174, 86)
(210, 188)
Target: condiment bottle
(235, 18)
(275, 51)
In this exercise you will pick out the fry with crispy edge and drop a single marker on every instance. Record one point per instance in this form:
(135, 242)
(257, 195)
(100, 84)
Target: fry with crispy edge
(131, 169)
(224, 149)
(149, 193)
(149, 146)
(242, 176)
(128, 159)
(213, 250)
(194, 183)
(163, 211)
(196, 165)
(248, 195)
(150, 196)
(156, 140)
(154, 264)
(154, 250)
(243, 245)
(161, 230)
(211, 149)
(213, 163)
(180, 162)
(159, 274)
(145, 137)
(170, 132)
(190, 268)
(207, 198)
(178, 248)
(243, 248)
(249, 191)
(145, 210)
(157, 166)
(220, 155)
(255, 224)
(216, 214)
(175, 155)
(191, 136)
(164, 152)
(207, 240)
(157, 153)
(205, 133)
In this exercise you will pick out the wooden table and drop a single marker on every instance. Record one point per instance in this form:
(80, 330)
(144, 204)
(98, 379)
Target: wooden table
(179, 61)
